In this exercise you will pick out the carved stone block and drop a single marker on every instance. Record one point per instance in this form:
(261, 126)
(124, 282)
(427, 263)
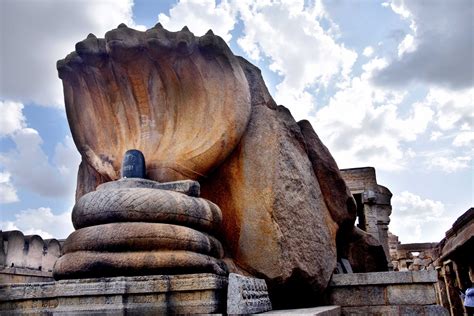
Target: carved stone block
(247, 295)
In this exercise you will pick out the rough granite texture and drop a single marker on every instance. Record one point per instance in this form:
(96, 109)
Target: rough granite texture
(276, 224)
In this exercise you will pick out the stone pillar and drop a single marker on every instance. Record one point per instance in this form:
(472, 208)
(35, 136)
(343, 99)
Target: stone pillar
(377, 210)
(454, 298)
(441, 288)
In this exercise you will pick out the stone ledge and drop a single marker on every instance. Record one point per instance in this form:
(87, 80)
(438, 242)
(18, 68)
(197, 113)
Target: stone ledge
(113, 286)
(319, 311)
(425, 310)
(406, 277)
(26, 271)
(143, 295)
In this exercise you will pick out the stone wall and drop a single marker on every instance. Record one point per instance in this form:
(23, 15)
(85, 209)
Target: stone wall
(452, 257)
(385, 293)
(27, 258)
(455, 262)
(373, 203)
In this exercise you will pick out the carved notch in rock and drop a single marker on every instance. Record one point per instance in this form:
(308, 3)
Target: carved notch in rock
(155, 91)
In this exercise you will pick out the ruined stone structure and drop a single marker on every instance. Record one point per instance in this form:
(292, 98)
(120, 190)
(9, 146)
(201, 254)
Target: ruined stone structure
(452, 258)
(455, 262)
(27, 258)
(415, 257)
(373, 210)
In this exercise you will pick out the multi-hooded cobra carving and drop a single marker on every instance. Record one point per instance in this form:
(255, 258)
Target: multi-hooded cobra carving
(181, 100)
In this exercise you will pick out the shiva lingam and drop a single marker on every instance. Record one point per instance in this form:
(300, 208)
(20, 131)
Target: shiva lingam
(135, 226)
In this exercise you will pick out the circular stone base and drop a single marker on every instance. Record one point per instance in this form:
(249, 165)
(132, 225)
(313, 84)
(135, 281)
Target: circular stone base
(123, 237)
(145, 205)
(88, 264)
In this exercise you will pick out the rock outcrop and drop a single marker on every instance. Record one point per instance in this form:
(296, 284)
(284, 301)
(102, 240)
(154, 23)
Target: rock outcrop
(275, 220)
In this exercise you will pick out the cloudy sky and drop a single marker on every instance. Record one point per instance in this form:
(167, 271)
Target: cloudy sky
(387, 84)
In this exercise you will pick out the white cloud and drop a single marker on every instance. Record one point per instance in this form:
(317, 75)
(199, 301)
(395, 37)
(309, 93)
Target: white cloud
(200, 16)
(449, 163)
(418, 219)
(35, 34)
(435, 135)
(31, 169)
(439, 51)
(361, 124)
(464, 139)
(454, 109)
(407, 45)
(291, 36)
(7, 190)
(41, 221)
(12, 118)
(368, 51)
(27, 166)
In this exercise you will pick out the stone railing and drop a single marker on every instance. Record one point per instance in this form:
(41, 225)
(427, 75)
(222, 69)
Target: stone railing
(27, 258)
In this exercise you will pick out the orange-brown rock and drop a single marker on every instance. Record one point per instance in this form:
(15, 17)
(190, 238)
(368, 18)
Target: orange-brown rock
(336, 194)
(364, 251)
(276, 224)
(153, 91)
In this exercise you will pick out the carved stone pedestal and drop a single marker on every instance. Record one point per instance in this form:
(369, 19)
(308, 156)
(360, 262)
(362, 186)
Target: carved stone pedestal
(144, 295)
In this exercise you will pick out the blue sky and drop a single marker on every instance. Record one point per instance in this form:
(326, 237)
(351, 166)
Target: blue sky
(387, 84)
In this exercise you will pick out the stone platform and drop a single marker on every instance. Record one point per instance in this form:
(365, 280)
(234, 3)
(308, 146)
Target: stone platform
(386, 293)
(144, 295)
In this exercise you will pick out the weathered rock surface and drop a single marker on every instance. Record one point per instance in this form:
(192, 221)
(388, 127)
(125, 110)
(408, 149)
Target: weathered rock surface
(275, 220)
(145, 205)
(142, 237)
(336, 194)
(153, 91)
(365, 253)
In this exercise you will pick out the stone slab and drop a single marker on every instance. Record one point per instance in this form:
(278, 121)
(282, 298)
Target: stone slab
(188, 187)
(346, 265)
(357, 295)
(415, 294)
(319, 311)
(405, 310)
(144, 295)
(247, 295)
(394, 277)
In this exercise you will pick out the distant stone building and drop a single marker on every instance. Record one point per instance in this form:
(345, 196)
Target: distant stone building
(25, 259)
(452, 257)
(373, 203)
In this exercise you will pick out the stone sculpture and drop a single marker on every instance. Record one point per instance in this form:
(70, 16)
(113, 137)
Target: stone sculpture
(197, 112)
(131, 227)
(182, 101)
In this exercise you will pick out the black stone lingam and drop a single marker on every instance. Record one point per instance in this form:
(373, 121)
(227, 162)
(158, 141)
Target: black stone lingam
(133, 164)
